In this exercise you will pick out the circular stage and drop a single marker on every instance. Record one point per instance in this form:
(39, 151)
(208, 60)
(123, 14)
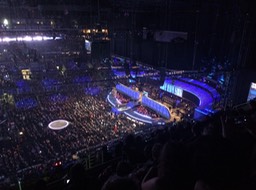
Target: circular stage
(58, 124)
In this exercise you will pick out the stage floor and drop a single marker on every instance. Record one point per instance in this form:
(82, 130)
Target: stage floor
(130, 111)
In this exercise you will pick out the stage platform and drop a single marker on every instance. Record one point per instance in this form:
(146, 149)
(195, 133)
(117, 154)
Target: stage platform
(129, 110)
(205, 98)
(212, 90)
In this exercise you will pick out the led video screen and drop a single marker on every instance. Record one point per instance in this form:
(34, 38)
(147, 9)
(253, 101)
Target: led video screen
(252, 92)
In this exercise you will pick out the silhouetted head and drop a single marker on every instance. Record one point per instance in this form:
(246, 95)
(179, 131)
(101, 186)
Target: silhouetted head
(123, 183)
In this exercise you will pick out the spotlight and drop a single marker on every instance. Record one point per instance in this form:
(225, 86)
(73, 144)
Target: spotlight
(5, 22)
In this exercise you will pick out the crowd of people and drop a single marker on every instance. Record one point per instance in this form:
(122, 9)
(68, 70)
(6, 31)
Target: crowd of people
(146, 111)
(178, 156)
(175, 156)
(30, 142)
(181, 156)
(122, 98)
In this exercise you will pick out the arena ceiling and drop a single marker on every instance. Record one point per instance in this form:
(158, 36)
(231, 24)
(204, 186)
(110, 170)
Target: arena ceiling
(137, 5)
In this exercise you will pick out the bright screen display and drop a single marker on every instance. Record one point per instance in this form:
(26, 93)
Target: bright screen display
(252, 92)
(88, 46)
(172, 89)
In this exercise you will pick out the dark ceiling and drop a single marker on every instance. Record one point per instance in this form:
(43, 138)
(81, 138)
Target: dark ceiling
(221, 26)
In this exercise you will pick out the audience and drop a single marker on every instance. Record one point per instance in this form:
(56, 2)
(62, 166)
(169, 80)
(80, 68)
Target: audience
(123, 183)
(121, 98)
(147, 112)
(77, 178)
(176, 156)
(34, 144)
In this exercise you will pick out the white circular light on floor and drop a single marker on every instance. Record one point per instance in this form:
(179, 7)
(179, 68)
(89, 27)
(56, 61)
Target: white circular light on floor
(58, 124)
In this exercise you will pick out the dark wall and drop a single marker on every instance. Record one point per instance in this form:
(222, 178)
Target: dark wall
(100, 50)
(216, 29)
(158, 54)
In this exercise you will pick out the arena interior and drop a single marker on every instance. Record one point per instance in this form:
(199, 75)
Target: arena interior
(127, 94)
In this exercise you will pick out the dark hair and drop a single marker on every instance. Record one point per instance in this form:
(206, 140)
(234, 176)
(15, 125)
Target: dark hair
(123, 168)
(121, 183)
(173, 170)
(77, 171)
(40, 185)
(156, 151)
(172, 160)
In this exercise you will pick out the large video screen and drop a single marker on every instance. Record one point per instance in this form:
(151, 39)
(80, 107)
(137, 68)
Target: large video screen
(252, 92)
(88, 46)
(172, 89)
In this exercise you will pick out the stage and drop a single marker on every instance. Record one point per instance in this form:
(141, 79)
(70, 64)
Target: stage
(129, 110)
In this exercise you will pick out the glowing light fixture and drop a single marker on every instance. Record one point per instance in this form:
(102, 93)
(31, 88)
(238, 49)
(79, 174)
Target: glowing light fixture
(5, 22)
(27, 38)
(37, 38)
